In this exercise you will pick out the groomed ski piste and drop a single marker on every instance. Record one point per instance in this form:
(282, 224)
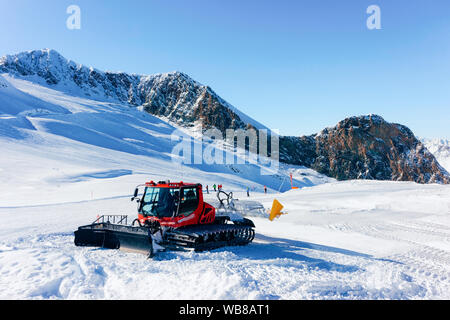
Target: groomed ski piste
(67, 159)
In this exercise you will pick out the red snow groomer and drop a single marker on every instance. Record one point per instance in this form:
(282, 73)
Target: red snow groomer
(170, 216)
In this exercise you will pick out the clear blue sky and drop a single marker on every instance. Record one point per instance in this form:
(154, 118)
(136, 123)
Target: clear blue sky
(297, 66)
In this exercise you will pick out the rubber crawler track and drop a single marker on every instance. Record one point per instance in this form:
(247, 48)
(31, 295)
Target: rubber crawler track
(202, 238)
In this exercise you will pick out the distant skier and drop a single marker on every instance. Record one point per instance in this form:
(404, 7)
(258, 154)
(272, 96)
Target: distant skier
(214, 186)
(248, 192)
(265, 189)
(207, 189)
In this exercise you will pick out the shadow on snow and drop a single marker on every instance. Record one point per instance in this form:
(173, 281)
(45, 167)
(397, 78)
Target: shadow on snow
(281, 251)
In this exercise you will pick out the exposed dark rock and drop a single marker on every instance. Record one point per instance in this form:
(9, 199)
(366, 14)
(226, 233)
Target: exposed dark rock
(365, 147)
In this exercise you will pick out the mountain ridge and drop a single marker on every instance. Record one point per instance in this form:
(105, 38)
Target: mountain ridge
(364, 147)
(173, 95)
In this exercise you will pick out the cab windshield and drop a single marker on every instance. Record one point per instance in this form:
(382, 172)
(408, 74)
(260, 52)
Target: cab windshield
(169, 202)
(160, 202)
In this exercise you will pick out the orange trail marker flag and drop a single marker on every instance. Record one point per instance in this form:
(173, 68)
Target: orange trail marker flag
(292, 182)
(276, 210)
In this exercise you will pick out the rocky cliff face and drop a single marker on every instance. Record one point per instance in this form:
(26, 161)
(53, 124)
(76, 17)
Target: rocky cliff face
(365, 147)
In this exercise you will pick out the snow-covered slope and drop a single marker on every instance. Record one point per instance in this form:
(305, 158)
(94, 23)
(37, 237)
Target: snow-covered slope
(440, 148)
(16, 102)
(344, 240)
(56, 140)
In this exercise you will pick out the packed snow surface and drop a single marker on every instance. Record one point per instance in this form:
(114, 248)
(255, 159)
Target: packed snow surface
(347, 240)
(67, 159)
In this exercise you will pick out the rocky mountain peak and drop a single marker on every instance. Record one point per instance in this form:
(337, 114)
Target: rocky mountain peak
(46, 63)
(365, 147)
(173, 95)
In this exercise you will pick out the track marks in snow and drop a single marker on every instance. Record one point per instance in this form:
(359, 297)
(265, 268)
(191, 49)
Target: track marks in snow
(421, 264)
(411, 257)
(51, 267)
(271, 268)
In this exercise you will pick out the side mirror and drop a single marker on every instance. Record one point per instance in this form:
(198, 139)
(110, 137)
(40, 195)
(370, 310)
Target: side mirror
(136, 192)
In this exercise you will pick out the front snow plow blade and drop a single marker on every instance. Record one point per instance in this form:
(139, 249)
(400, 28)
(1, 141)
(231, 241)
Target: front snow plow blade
(115, 236)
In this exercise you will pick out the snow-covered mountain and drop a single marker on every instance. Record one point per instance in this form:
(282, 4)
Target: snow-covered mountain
(440, 148)
(172, 95)
(364, 147)
(62, 143)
